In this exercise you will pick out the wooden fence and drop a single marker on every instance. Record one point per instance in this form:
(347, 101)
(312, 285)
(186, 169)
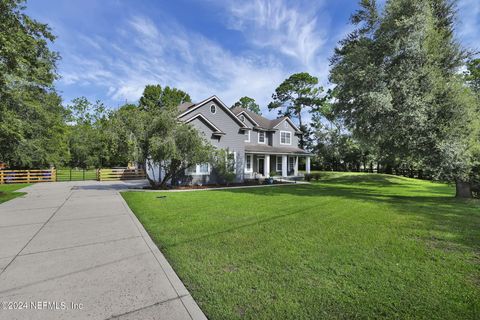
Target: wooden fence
(27, 176)
(50, 175)
(106, 174)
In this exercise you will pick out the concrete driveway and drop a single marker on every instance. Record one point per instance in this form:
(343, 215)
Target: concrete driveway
(74, 250)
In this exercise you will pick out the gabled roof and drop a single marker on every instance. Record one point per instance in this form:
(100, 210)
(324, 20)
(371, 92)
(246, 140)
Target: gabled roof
(262, 122)
(186, 108)
(200, 116)
(280, 120)
(244, 113)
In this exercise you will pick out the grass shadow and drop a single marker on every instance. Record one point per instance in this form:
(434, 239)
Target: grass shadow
(428, 203)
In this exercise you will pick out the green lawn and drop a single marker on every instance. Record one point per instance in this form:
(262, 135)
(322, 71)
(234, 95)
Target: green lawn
(349, 246)
(7, 191)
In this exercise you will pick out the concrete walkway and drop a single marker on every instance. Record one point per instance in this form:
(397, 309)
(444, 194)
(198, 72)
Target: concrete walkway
(74, 250)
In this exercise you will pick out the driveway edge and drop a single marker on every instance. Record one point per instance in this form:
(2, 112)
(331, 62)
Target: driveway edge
(187, 300)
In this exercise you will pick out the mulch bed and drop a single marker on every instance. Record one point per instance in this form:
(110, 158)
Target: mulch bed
(213, 186)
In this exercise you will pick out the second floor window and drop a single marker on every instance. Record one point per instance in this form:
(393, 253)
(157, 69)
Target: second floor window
(261, 137)
(247, 135)
(285, 137)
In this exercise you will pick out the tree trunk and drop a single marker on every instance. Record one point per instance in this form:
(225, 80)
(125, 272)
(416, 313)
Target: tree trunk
(302, 141)
(464, 189)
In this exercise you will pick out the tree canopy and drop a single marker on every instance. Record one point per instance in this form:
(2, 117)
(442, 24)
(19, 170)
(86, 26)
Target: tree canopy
(32, 119)
(299, 92)
(249, 104)
(155, 97)
(398, 87)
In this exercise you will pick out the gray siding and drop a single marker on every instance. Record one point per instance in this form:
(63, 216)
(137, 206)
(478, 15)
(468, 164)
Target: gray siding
(254, 138)
(284, 126)
(233, 139)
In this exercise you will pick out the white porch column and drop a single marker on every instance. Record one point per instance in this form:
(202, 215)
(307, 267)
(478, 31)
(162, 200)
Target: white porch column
(295, 168)
(266, 165)
(307, 165)
(284, 166)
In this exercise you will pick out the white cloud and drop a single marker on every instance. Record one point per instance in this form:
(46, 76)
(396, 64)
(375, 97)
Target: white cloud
(169, 55)
(294, 29)
(144, 26)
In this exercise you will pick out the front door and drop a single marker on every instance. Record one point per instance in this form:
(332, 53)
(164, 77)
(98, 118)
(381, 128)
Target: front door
(261, 166)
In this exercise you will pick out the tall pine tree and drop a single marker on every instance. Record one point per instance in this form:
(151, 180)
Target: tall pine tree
(399, 89)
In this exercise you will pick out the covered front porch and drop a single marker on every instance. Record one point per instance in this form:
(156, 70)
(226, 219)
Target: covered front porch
(258, 165)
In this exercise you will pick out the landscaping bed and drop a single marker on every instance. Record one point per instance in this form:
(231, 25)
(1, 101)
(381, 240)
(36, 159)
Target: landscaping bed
(213, 186)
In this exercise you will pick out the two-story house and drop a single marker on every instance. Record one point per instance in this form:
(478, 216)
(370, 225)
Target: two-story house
(259, 145)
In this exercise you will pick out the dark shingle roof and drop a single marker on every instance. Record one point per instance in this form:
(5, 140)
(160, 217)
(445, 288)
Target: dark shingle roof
(262, 122)
(185, 106)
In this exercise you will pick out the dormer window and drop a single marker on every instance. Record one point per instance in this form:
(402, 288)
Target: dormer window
(242, 117)
(213, 109)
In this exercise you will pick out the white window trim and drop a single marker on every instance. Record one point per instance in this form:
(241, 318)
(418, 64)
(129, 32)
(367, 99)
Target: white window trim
(197, 171)
(290, 134)
(264, 137)
(258, 164)
(213, 105)
(249, 156)
(278, 160)
(248, 139)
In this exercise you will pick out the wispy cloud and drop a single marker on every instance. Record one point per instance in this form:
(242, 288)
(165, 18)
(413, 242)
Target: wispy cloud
(144, 26)
(291, 28)
(169, 55)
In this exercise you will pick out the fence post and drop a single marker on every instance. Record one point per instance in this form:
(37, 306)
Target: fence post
(53, 175)
(84, 174)
(70, 174)
(28, 176)
(1, 177)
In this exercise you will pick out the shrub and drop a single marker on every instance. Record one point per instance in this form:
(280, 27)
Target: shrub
(316, 176)
(308, 177)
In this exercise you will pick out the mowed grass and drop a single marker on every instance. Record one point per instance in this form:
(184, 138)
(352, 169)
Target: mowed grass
(7, 191)
(351, 246)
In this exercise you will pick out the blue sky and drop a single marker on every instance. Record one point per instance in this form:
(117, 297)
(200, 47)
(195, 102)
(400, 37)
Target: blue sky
(112, 48)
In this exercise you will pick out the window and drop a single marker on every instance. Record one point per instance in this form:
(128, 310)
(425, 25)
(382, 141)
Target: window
(247, 135)
(242, 117)
(191, 170)
(261, 136)
(198, 169)
(213, 108)
(203, 168)
(248, 163)
(279, 163)
(291, 163)
(285, 137)
(231, 161)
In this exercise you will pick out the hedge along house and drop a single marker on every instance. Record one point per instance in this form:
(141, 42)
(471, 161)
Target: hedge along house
(258, 145)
